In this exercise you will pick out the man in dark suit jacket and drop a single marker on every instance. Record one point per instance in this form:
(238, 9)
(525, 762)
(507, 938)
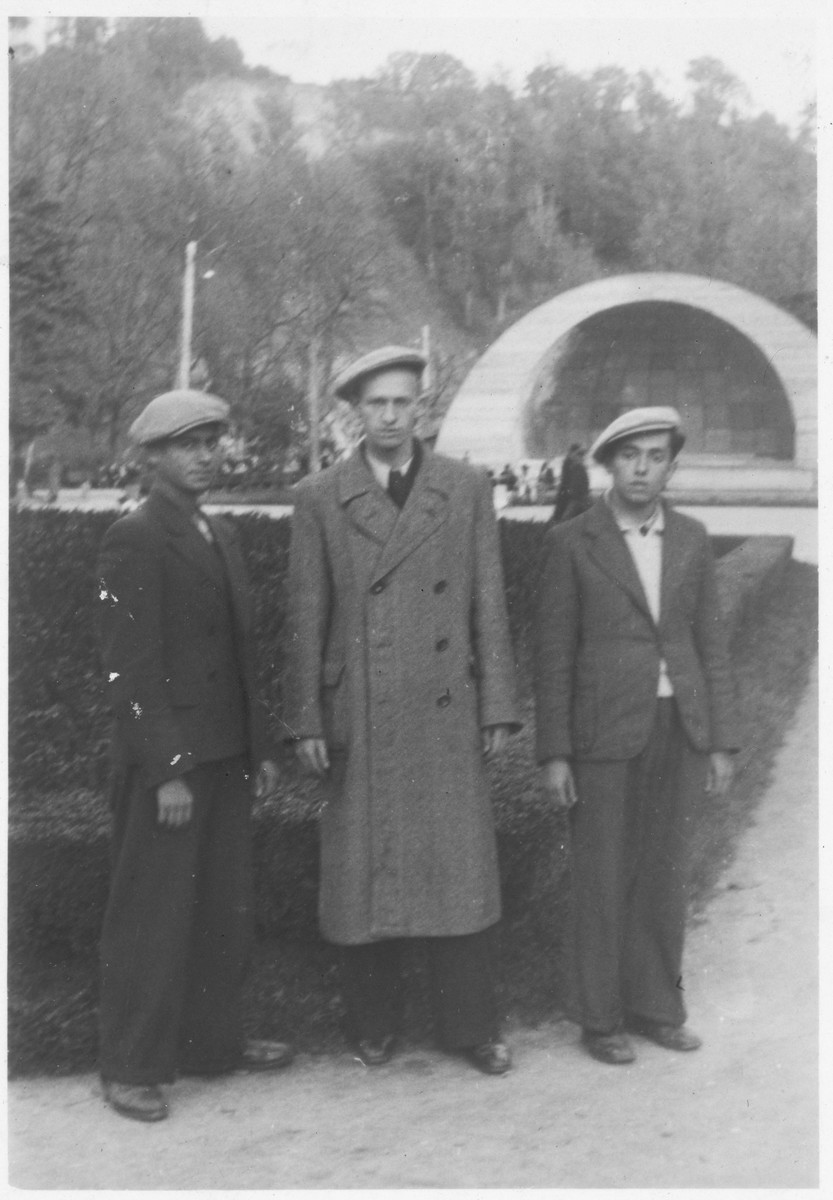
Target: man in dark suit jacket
(175, 631)
(573, 495)
(635, 713)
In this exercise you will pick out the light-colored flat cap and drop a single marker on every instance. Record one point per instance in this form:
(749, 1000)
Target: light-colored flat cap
(638, 420)
(346, 383)
(176, 412)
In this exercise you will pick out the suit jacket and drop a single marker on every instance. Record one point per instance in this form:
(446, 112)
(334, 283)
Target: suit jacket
(598, 648)
(175, 625)
(400, 654)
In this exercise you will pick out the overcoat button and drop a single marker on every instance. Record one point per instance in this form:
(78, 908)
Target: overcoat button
(442, 644)
(444, 701)
(440, 586)
(378, 587)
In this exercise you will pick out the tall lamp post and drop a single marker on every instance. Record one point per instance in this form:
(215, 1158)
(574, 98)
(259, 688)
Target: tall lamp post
(184, 374)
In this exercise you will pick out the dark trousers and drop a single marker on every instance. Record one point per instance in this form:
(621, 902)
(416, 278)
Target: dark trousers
(177, 930)
(461, 972)
(631, 832)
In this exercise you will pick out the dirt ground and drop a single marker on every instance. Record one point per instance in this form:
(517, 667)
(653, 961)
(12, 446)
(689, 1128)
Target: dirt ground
(742, 1112)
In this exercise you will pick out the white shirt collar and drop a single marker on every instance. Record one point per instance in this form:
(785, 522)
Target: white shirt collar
(654, 524)
(381, 471)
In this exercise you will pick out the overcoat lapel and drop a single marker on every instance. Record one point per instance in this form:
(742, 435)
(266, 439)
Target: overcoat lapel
(677, 547)
(608, 549)
(235, 572)
(425, 511)
(396, 533)
(183, 537)
(367, 506)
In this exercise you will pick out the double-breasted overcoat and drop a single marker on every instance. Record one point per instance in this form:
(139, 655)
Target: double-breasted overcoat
(401, 655)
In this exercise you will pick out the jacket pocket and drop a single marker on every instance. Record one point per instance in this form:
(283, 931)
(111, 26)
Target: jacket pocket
(332, 673)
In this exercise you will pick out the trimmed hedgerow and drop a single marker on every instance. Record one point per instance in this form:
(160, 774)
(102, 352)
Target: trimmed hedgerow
(58, 862)
(59, 723)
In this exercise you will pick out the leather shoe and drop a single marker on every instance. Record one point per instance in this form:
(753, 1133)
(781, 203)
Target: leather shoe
(375, 1054)
(492, 1058)
(614, 1048)
(255, 1056)
(265, 1056)
(141, 1101)
(670, 1037)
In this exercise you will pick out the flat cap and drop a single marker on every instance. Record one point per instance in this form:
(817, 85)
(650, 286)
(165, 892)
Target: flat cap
(176, 412)
(346, 383)
(656, 419)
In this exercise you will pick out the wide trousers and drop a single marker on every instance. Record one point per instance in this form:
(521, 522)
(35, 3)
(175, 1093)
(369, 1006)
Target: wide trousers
(631, 832)
(177, 930)
(462, 982)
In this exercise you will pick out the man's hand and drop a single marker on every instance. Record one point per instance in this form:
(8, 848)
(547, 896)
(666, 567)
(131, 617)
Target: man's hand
(266, 781)
(558, 783)
(721, 773)
(176, 802)
(313, 756)
(495, 740)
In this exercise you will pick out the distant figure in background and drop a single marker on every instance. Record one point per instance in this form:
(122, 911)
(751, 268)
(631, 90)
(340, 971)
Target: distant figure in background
(545, 483)
(525, 486)
(573, 496)
(508, 478)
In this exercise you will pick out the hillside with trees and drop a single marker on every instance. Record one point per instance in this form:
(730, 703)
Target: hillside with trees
(329, 219)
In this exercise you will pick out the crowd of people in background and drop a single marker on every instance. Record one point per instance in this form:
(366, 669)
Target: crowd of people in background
(245, 466)
(568, 491)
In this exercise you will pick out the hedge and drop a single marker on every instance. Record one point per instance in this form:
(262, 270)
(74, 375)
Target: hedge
(58, 862)
(59, 723)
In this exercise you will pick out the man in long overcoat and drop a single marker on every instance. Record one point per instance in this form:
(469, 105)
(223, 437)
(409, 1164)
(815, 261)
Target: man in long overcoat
(403, 682)
(175, 622)
(635, 712)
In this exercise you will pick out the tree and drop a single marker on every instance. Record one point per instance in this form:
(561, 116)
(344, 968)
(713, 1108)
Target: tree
(414, 118)
(725, 194)
(46, 311)
(332, 250)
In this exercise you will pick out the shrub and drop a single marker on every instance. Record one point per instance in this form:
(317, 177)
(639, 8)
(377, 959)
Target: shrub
(58, 864)
(59, 722)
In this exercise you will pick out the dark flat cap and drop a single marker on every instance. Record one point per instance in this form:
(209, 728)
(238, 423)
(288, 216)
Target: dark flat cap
(655, 419)
(346, 383)
(174, 413)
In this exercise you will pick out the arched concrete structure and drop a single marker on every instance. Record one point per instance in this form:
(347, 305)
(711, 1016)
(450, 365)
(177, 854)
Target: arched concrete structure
(488, 418)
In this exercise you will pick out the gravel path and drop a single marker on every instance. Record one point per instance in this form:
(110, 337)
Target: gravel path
(742, 1112)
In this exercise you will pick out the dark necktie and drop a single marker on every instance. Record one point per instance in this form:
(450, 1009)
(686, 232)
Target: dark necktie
(398, 488)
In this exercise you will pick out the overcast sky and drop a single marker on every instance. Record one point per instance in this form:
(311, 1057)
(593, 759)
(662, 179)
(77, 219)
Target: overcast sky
(771, 45)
